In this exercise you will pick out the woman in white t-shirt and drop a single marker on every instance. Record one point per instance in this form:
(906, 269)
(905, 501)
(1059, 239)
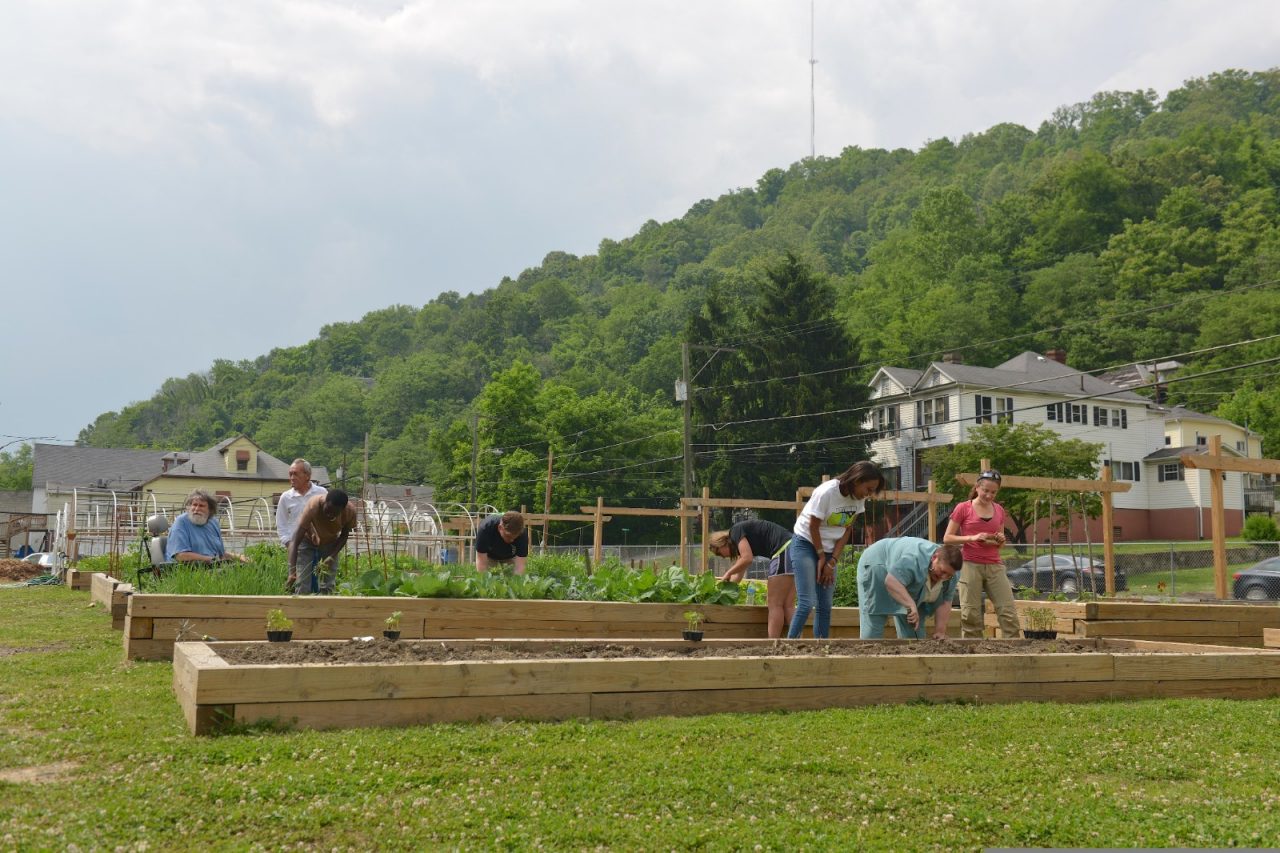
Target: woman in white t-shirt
(978, 526)
(826, 523)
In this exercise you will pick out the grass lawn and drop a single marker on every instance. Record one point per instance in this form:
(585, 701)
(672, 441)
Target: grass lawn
(95, 754)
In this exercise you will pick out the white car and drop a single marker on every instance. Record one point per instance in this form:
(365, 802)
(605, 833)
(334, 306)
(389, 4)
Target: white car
(43, 559)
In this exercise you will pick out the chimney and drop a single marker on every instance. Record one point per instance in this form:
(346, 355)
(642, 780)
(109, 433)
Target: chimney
(1058, 355)
(951, 358)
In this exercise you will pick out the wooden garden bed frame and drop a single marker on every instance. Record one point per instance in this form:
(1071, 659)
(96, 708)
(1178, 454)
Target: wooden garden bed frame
(1214, 624)
(153, 622)
(214, 693)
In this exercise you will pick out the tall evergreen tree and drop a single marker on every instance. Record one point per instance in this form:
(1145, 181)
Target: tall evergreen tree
(781, 404)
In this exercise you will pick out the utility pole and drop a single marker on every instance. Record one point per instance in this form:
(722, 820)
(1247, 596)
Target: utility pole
(364, 482)
(546, 506)
(475, 453)
(684, 393)
(813, 120)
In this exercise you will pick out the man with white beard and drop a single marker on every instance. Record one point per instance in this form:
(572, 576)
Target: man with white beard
(195, 536)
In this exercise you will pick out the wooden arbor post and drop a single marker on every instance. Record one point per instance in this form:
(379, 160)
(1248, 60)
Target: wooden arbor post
(1217, 465)
(1052, 484)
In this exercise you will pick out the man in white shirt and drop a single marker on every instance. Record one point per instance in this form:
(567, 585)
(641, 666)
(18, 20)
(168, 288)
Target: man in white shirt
(294, 501)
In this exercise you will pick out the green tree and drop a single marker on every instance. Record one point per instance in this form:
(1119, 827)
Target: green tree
(15, 469)
(1029, 450)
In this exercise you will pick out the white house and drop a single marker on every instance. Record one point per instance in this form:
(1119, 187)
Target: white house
(915, 410)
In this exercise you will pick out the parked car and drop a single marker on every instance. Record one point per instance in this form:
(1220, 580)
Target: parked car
(1058, 573)
(1259, 582)
(41, 558)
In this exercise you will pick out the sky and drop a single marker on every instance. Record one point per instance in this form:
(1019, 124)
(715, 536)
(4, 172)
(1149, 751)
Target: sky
(185, 180)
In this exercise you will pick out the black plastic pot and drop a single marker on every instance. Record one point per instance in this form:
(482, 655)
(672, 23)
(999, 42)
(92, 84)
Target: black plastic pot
(279, 636)
(391, 635)
(1040, 635)
(693, 636)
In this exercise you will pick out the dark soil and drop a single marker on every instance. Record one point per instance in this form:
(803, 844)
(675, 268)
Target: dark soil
(408, 651)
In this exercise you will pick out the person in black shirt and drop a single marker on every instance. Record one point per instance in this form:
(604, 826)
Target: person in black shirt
(502, 539)
(747, 540)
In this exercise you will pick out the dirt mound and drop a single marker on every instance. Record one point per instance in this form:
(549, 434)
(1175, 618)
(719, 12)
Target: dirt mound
(19, 570)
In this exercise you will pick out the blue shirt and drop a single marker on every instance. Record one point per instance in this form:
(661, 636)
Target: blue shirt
(185, 535)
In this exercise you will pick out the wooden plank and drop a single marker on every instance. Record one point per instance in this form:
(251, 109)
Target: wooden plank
(1217, 462)
(1271, 637)
(101, 585)
(139, 649)
(137, 627)
(1049, 484)
(1107, 610)
(1158, 628)
(1177, 667)
(637, 511)
(492, 678)
(413, 712)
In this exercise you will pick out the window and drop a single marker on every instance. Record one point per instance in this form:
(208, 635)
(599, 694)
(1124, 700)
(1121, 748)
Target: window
(242, 460)
(993, 409)
(931, 412)
(892, 478)
(884, 420)
(1168, 440)
(1240, 446)
(1201, 440)
(1118, 418)
(1131, 471)
(1068, 413)
(1170, 471)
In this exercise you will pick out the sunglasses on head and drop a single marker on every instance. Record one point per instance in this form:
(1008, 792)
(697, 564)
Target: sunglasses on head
(990, 475)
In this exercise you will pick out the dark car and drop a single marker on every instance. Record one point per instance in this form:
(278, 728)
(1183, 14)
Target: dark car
(1259, 582)
(1059, 574)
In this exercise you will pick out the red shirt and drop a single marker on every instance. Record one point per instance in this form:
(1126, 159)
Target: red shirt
(969, 523)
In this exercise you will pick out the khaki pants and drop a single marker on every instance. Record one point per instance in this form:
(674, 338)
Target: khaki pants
(974, 578)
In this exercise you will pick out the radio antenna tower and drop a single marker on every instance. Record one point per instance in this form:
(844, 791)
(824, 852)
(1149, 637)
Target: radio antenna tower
(812, 113)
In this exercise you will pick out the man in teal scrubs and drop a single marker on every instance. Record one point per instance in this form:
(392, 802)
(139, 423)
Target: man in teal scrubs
(909, 579)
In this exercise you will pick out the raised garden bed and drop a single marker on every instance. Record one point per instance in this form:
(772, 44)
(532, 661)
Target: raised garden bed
(408, 683)
(155, 621)
(112, 595)
(1222, 624)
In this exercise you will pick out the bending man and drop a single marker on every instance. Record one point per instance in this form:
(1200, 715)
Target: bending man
(502, 539)
(322, 533)
(909, 579)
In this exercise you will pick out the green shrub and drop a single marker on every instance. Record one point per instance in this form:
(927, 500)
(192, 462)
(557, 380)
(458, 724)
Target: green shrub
(1260, 528)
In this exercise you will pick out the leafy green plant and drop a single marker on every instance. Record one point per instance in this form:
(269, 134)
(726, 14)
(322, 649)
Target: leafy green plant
(1039, 618)
(392, 622)
(277, 621)
(693, 619)
(1027, 593)
(1260, 528)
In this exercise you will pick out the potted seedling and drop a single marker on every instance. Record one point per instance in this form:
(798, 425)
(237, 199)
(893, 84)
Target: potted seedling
(1040, 622)
(279, 626)
(693, 619)
(392, 622)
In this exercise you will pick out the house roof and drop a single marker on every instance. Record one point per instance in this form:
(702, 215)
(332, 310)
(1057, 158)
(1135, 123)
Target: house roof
(401, 493)
(122, 469)
(1028, 371)
(210, 463)
(1181, 412)
(97, 467)
(1172, 453)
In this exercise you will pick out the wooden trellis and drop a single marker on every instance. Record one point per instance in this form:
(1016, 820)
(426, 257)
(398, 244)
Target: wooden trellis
(1105, 487)
(1215, 463)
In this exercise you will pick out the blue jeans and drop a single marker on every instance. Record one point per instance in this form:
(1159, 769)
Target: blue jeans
(804, 565)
